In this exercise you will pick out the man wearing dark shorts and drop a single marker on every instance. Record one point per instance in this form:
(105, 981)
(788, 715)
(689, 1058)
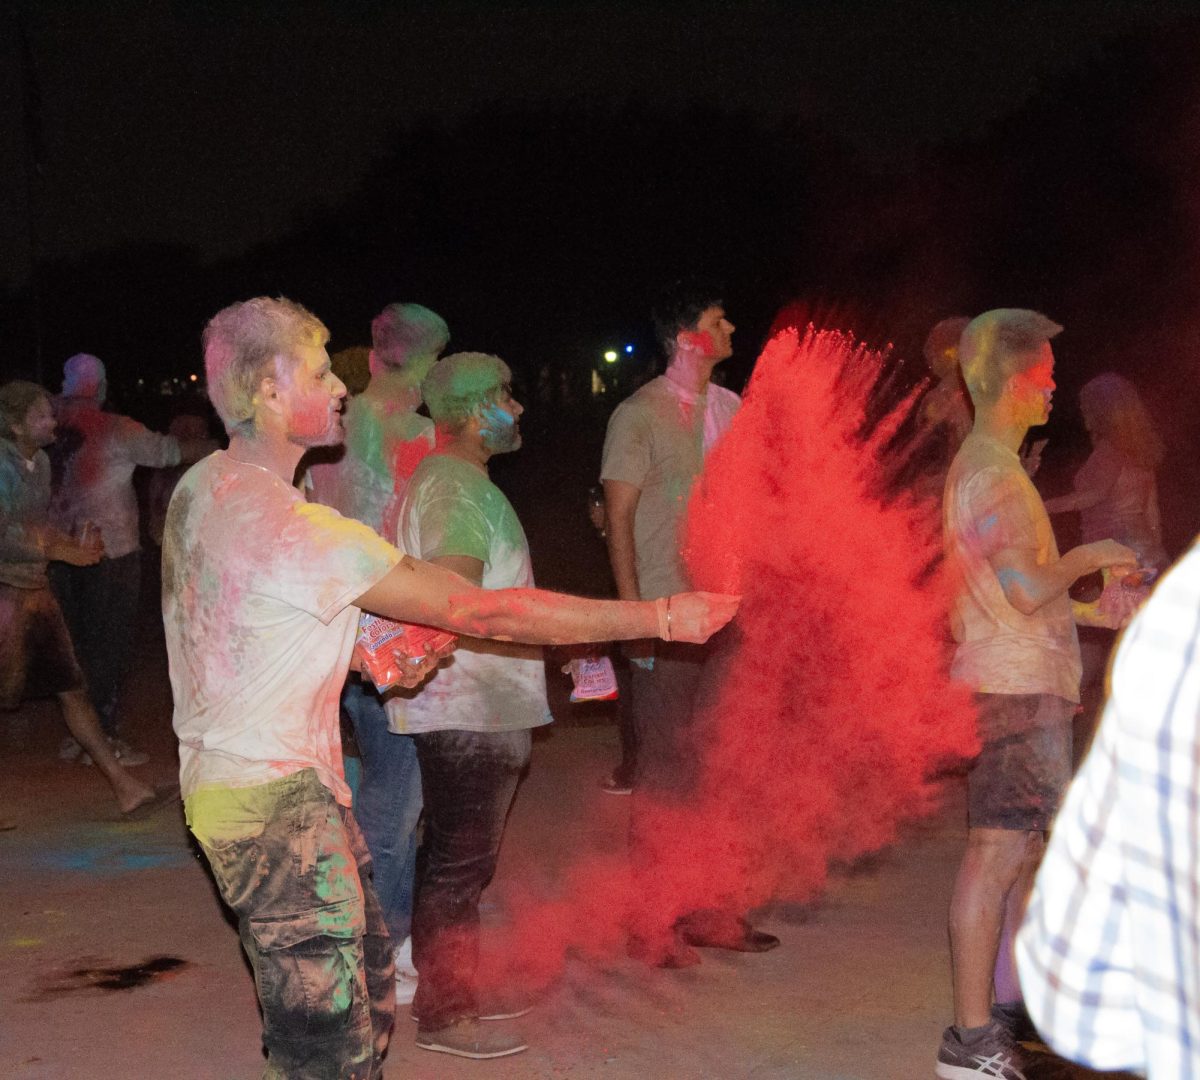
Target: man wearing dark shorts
(37, 658)
(1017, 648)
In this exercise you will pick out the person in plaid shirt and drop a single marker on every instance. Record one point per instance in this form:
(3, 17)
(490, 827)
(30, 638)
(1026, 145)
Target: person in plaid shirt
(1109, 954)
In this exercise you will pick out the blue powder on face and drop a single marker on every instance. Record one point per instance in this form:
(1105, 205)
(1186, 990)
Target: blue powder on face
(498, 427)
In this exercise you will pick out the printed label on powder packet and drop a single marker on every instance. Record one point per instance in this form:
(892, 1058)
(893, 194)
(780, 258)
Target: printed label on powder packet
(594, 679)
(385, 648)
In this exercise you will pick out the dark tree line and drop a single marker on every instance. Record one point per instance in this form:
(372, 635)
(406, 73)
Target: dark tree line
(543, 233)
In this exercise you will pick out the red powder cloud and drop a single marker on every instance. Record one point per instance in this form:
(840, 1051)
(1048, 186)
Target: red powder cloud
(835, 705)
(830, 705)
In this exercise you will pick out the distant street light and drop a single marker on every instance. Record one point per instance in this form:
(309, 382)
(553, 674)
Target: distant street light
(611, 356)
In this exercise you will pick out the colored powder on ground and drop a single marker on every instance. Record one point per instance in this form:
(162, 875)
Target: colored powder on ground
(829, 708)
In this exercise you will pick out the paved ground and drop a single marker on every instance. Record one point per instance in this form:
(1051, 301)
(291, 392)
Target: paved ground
(116, 960)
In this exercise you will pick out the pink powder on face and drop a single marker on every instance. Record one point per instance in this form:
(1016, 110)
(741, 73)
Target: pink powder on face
(311, 418)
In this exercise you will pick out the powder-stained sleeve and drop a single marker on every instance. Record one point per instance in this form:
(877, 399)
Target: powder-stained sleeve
(322, 561)
(145, 447)
(450, 522)
(996, 506)
(627, 450)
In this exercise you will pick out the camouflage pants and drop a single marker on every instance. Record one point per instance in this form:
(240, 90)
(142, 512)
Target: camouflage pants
(294, 868)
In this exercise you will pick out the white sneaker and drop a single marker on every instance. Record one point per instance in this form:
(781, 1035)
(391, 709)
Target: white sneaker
(406, 974)
(402, 954)
(406, 988)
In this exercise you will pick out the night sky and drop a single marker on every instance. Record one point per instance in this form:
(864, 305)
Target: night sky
(214, 124)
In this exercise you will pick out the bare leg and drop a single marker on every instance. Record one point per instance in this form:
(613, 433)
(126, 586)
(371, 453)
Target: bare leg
(84, 724)
(1008, 988)
(990, 868)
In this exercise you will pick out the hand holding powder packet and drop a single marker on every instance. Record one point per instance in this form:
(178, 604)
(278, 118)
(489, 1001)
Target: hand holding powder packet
(388, 651)
(1122, 596)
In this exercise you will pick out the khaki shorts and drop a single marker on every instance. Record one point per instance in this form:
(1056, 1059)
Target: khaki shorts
(37, 658)
(1019, 778)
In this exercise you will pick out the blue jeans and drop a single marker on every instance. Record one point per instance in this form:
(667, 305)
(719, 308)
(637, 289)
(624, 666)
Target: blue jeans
(387, 805)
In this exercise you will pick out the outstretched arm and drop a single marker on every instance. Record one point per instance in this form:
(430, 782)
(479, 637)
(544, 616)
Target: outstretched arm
(419, 592)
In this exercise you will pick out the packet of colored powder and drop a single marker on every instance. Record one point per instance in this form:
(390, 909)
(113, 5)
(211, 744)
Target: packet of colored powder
(387, 650)
(594, 678)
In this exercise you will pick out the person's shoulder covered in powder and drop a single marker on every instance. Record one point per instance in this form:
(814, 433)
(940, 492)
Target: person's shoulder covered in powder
(445, 510)
(292, 540)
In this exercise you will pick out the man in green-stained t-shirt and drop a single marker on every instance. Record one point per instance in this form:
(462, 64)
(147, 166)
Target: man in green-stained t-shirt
(471, 721)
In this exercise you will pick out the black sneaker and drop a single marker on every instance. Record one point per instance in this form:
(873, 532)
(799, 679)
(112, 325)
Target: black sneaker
(992, 1053)
(667, 952)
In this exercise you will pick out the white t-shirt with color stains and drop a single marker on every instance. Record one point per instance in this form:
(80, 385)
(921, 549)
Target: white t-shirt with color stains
(257, 603)
(97, 475)
(991, 505)
(452, 508)
(657, 440)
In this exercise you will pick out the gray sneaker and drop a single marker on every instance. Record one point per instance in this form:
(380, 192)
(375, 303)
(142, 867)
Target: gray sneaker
(470, 1039)
(992, 1054)
(498, 1008)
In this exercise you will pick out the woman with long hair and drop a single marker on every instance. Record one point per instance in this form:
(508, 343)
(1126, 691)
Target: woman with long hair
(1116, 496)
(1116, 489)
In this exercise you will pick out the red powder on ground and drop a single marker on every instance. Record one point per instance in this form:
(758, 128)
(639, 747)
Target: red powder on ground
(835, 706)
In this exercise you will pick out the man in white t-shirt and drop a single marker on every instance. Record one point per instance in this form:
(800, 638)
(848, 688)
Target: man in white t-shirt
(261, 597)
(385, 435)
(1014, 625)
(471, 721)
